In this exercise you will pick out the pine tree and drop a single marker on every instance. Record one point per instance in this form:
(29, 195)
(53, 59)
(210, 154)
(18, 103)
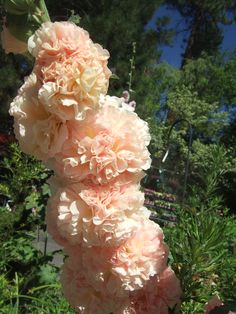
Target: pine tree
(204, 19)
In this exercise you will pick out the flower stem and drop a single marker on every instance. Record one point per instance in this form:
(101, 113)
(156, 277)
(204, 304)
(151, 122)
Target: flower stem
(45, 15)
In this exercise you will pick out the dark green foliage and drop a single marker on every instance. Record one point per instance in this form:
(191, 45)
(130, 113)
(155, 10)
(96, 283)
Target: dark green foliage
(20, 175)
(46, 298)
(24, 195)
(202, 241)
(198, 93)
(23, 199)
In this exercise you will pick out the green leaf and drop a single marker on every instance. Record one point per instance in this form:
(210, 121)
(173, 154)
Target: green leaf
(47, 274)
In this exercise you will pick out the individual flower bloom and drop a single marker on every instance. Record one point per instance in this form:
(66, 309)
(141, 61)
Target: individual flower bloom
(38, 132)
(105, 147)
(64, 217)
(71, 87)
(71, 68)
(161, 293)
(55, 39)
(83, 297)
(11, 43)
(140, 257)
(116, 212)
(94, 262)
(95, 216)
(212, 304)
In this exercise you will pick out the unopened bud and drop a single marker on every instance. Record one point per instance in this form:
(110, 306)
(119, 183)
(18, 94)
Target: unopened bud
(126, 96)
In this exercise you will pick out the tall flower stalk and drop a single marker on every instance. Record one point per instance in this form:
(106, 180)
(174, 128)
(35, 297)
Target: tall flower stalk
(97, 146)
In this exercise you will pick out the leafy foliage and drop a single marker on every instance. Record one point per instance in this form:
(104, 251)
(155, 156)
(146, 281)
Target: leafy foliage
(41, 299)
(201, 242)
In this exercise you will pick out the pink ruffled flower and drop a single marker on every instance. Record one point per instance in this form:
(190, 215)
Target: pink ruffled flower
(104, 147)
(212, 303)
(38, 132)
(84, 298)
(124, 268)
(95, 216)
(71, 68)
(157, 296)
(94, 263)
(140, 257)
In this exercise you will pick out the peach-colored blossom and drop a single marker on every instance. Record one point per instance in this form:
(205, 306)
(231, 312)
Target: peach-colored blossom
(140, 257)
(95, 216)
(95, 264)
(104, 147)
(54, 39)
(124, 268)
(160, 294)
(212, 303)
(39, 133)
(11, 43)
(71, 68)
(84, 298)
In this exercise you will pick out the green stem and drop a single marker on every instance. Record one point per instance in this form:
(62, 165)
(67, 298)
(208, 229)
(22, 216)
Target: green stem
(17, 292)
(132, 67)
(45, 16)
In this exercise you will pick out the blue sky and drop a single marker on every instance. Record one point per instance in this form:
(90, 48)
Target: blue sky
(172, 55)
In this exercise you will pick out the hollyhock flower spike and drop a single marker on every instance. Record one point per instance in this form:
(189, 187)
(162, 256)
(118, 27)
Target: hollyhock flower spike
(97, 147)
(72, 69)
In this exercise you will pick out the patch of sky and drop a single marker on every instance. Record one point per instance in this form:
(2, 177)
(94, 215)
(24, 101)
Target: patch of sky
(173, 54)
